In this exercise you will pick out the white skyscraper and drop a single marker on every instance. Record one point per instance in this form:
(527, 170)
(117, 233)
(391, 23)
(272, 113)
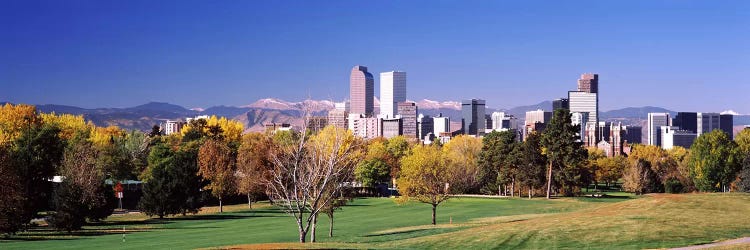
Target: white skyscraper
(707, 122)
(655, 122)
(392, 91)
(584, 102)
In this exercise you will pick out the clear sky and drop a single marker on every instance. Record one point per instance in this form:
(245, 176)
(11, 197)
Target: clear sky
(681, 55)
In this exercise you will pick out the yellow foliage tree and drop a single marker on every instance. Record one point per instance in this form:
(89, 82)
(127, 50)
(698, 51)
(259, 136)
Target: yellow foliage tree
(425, 177)
(102, 136)
(68, 124)
(14, 119)
(462, 153)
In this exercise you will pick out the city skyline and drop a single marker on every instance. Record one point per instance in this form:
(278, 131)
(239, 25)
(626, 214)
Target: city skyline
(513, 54)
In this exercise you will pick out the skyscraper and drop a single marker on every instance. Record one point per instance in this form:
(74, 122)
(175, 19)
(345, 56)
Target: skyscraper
(473, 116)
(392, 92)
(589, 83)
(408, 113)
(585, 102)
(441, 124)
(339, 115)
(361, 91)
(655, 122)
(707, 122)
(726, 123)
(561, 103)
(425, 125)
(686, 121)
(674, 136)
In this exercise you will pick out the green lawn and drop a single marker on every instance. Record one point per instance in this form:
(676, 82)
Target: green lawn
(620, 222)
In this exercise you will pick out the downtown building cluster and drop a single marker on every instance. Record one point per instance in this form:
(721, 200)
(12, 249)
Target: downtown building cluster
(681, 130)
(398, 116)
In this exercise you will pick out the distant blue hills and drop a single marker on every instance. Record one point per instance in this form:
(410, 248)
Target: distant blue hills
(143, 117)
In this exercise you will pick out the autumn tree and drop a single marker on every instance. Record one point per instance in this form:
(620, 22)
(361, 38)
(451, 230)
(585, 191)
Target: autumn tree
(714, 161)
(83, 193)
(494, 158)
(681, 157)
(253, 165)
(426, 177)
(593, 165)
(639, 177)
(462, 154)
(743, 141)
(216, 163)
(610, 169)
(397, 147)
(304, 172)
(565, 154)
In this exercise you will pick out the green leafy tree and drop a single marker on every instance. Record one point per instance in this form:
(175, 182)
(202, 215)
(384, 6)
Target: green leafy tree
(37, 154)
(531, 171)
(372, 172)
(610, 169)
(161, 196)
(11, 198)
(70, 212)
(714, 161)
(565, 154)
(743, 182)
(497, 149)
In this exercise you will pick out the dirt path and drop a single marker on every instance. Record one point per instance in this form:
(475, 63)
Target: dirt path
(745, 240)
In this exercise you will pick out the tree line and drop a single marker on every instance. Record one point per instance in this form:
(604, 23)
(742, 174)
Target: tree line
(308, 174)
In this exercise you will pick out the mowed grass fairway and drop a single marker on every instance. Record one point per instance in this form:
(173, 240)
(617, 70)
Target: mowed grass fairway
(653, 221)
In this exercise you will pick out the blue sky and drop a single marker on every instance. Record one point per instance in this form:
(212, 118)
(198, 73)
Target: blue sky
(682, 55)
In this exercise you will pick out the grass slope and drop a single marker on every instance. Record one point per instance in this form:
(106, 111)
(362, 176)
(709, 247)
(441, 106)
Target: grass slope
(651, 222)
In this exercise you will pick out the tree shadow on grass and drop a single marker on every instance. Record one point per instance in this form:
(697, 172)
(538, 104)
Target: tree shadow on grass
(396, 233)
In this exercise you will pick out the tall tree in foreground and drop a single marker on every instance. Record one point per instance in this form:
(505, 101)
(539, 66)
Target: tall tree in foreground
(714, 161)
(307, 170)
(565, 154)
(160, 191)
(497, 149)
(11, 198)
(253, 165)
(216, 163)
(425, 177)
(533, 163)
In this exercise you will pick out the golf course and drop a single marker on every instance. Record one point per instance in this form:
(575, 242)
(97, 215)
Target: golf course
(620, 221)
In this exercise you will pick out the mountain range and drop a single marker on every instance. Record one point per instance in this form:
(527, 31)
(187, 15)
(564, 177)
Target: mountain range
(271, 110)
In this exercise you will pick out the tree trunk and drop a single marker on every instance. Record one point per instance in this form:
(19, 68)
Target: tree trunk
(302, 236)
(221, 208)
(249, 201)
(529, 192)
(314, 226)
(549, 180)
(512, 187)
(434, 207)
(330, 228)
(499, 190)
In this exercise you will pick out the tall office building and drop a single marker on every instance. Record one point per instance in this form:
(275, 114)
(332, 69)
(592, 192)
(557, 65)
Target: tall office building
(633, 134)
(361, 91)
(425, 125)
(589, 83)
(338, 117)
(726, 123)
(392, 92)
(655, 122)
(673, 136)
(503, 121)
(365, 127)
(473, 116)
(707, 122)
(585, 102)
(408, 113)
(580, 118)
(686, 121)
(561, 103)
(441, 124)
(390, 127)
